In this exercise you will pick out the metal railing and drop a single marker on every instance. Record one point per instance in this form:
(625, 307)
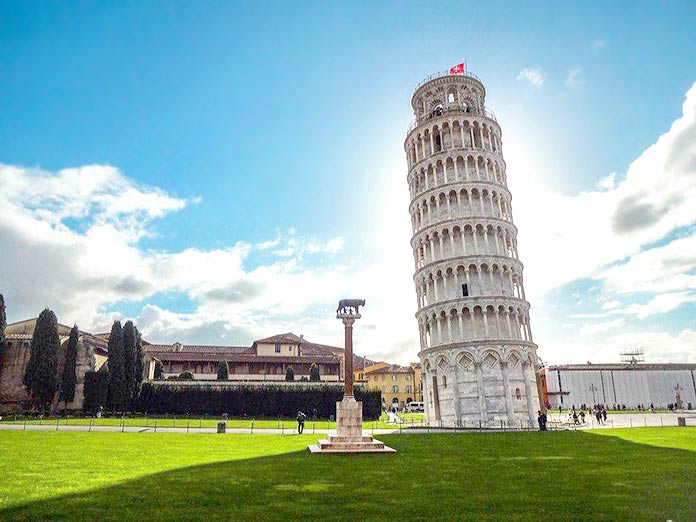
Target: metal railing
(441, 74)
(456, 109)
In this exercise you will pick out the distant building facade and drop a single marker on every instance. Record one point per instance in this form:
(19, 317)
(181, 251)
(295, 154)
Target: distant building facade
(399, 384)
(626, 384)
(265, 360)
(14, 356)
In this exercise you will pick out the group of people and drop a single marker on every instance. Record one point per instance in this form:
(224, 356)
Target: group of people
(577, 417)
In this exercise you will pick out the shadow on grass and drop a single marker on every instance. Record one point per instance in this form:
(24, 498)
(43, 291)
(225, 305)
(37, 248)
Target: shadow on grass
(502, 476)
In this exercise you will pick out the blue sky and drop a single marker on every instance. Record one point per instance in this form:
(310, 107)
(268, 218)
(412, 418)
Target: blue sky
(269, 140)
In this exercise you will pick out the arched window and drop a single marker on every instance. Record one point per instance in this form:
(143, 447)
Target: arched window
(395, 389)
(450, 97)
(408, 389)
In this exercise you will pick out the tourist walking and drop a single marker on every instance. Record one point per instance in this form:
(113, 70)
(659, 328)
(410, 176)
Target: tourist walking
(542, 420)
(300, 422)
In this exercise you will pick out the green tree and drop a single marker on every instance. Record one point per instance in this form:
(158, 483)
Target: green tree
(223, 371)
(118, 388)
(159, 370)
(40, 375)
(289, 373)
(185, 376)
(3, 318)
(139, 371)
(67, 385)
(129, 356)
(314, 372)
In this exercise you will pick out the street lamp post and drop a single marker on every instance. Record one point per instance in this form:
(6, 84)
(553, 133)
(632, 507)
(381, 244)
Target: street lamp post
(593, 389)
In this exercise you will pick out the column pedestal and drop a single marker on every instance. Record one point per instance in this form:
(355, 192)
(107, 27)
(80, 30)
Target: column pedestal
(349, 436)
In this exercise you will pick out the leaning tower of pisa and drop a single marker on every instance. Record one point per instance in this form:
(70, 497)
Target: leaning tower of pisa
(478, 358)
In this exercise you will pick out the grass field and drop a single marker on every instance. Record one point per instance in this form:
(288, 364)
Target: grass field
(638, 474)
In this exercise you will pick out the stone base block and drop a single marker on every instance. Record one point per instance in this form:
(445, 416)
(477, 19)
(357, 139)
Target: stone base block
(362, 444)
(349, 437)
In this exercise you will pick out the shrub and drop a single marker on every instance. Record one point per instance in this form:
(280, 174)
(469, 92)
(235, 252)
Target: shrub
(289, 373)
(267, 400)
(185, 376)
(223, 372)
(95, 391)
(159, 370)
(314, 372)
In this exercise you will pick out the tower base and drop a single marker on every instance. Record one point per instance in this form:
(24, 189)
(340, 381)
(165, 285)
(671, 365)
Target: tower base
(349, 437)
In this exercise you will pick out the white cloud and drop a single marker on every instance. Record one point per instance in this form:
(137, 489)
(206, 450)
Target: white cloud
(74, 238)
(532, 75)
(574, 77)
(594, 329)
(611, 305)
(607, 183)
(661, 304)
(599, 44)
(594, 229)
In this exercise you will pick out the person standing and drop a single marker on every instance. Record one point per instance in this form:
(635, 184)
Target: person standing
(300, 422)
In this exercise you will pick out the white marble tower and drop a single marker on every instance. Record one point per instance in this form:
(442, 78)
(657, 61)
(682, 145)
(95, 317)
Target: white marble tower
(477, 352)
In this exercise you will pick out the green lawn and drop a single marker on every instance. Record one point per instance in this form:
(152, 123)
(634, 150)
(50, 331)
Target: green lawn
(630, 474)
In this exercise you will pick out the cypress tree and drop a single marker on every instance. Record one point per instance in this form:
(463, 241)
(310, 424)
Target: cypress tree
(159, 370)
(67, 386)
(40, 375)
(3, 318)
(129, 356)
(314, 372)
(139, 368)
(223, 371)
(118, 389)
(289, 373)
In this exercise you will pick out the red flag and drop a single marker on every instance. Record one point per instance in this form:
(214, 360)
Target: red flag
(457, 69)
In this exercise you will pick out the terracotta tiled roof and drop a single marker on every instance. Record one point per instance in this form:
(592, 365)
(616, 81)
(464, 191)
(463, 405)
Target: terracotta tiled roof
(392, 368)
(154, 349)
(288, 338)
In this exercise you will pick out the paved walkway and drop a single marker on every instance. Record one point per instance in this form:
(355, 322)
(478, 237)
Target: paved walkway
(627, 420)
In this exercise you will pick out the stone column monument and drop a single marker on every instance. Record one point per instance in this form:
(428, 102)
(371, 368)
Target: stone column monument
(349, 437)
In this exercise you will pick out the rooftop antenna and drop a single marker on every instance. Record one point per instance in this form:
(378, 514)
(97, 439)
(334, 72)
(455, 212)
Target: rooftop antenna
(633, 355)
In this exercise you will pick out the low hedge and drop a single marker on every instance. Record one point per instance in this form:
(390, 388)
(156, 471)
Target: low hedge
(266, 400)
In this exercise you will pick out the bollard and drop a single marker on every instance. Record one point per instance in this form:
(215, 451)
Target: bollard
(155, 425)
(57, 421)
(479, 424)
(662, 425)
(188, 424)
(252, 426)
(282, 428)
(123, 425)
(314, 425)
(91, 421)
(25, 423)
(644, 422)
(630, 422)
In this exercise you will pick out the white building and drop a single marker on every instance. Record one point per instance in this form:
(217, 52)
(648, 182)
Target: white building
(477, 352)
(621, 384)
